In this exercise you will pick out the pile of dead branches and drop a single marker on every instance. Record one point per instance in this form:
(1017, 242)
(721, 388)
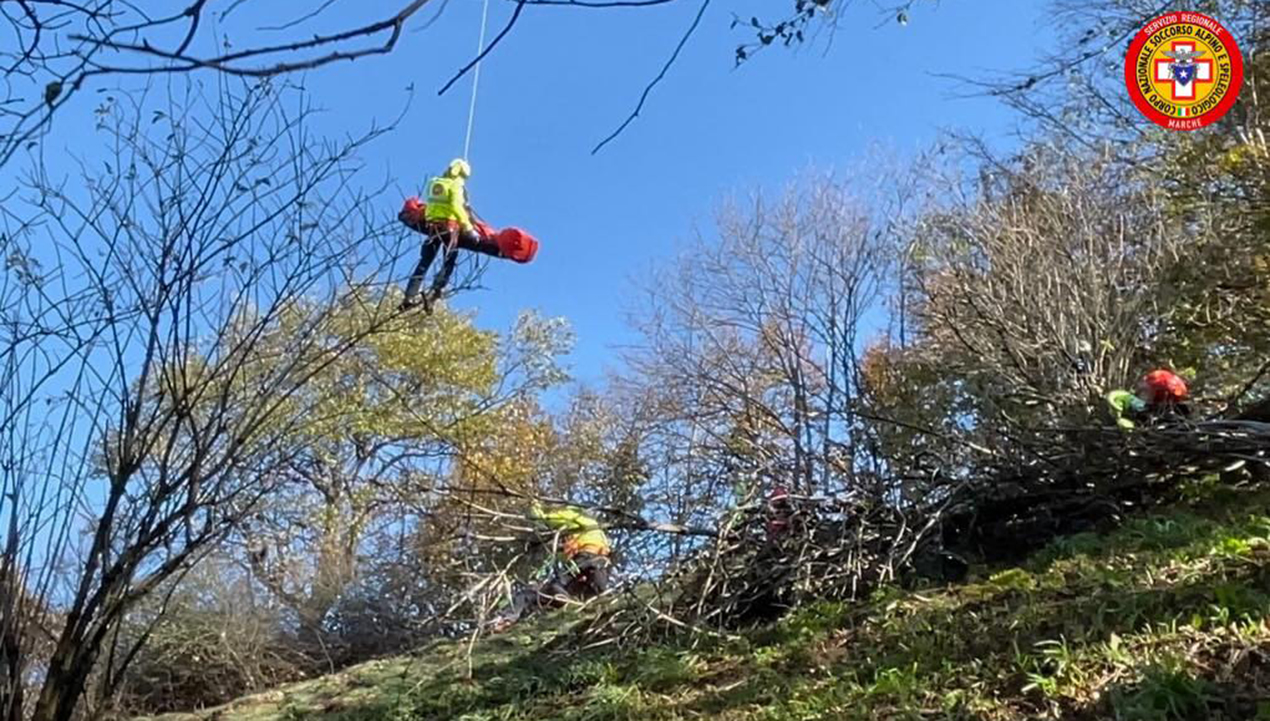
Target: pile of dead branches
(1091, 478)
(843, 548)
(756, 570)
(831, 549)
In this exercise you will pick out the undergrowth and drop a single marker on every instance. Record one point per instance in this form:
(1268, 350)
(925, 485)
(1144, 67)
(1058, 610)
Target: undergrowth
(1166, 618)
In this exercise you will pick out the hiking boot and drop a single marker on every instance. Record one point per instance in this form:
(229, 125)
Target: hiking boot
(430, 298)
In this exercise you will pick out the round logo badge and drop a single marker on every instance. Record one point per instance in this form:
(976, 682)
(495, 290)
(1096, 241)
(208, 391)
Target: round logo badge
(1184, 70)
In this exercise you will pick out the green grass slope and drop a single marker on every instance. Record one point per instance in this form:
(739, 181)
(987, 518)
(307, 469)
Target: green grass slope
(1166, 618)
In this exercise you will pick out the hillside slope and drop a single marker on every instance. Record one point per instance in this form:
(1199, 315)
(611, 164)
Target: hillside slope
(1167, 617)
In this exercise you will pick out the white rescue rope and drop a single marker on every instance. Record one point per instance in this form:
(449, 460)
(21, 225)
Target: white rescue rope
(476, 81)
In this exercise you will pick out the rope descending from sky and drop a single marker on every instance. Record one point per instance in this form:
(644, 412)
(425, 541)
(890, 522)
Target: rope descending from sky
(476, 80)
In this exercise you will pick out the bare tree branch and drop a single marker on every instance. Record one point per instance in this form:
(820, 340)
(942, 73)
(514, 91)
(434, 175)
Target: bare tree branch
(520, 5)
(692, 28)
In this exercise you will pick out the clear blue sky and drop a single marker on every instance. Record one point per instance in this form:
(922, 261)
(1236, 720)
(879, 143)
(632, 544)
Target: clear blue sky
(565, 77)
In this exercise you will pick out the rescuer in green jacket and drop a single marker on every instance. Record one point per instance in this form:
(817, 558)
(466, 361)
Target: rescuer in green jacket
(582, 533)
(1160, 393)
(1124, 407)
(584, 571)
(448, 223)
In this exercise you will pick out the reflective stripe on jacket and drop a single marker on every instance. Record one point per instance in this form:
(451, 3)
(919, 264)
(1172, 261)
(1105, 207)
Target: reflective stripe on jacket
(583, 533)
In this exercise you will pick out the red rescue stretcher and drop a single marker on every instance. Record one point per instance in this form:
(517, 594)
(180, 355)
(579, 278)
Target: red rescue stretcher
(513, 243)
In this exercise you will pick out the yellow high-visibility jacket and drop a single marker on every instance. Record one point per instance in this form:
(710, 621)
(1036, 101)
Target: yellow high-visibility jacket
(583, 533)
(447, 200)
(1122, 403)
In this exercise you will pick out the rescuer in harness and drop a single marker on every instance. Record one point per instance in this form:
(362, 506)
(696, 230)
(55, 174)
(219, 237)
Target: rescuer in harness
(583, 572)
(447, 222)
(1160, 394)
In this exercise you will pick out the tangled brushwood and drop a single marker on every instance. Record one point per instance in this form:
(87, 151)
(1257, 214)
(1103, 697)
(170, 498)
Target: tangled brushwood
(1090, 478)
(765, 562)
(820, 549)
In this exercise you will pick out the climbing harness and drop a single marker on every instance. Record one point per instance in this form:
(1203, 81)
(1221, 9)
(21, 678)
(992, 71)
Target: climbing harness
(509, 243)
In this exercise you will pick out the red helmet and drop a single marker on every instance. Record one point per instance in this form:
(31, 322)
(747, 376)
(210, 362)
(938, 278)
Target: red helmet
(1162, 386)
(779, 511)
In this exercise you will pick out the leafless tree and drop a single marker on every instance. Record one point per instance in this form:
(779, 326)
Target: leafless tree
(1076, 92)
(1045, 287)
(209, 637)
(60, 47)
(141, 416)
(751, 347)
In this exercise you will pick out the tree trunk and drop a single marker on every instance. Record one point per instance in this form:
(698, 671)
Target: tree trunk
(11, 688)
(67, 678)
(12, 663)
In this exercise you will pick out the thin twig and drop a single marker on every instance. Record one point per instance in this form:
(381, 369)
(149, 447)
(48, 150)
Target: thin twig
(520, 5)
(660, 76)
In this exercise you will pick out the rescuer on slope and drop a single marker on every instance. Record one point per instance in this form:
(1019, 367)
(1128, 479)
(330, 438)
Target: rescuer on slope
(1160, 393)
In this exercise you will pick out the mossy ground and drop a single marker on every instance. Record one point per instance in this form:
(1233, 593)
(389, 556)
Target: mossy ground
(1168, 617)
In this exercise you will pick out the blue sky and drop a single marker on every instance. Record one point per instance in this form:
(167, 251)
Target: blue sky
(565, 77)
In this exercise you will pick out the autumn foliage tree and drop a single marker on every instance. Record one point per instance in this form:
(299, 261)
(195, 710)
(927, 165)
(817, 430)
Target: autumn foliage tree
(391, 425)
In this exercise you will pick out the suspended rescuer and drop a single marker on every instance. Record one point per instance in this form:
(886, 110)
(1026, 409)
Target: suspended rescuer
(447, 223)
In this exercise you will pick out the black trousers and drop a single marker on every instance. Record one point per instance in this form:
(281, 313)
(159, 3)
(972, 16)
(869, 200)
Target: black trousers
(590, 580)
(453, 239)
(1161, 415)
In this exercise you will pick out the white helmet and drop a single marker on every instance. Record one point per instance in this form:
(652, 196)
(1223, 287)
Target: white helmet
(458, 168)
